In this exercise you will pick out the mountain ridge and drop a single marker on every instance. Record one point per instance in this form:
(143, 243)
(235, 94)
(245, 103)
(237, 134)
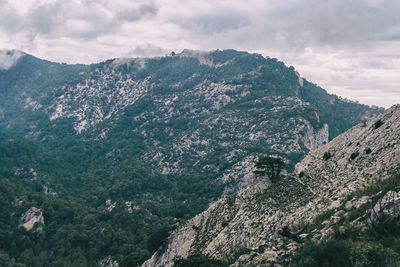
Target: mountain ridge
(251, 219)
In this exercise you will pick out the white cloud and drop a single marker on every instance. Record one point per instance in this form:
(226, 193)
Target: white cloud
(9, 58)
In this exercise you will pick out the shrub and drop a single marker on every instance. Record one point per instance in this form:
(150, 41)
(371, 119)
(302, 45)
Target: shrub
(135, 258)
(343, 253)
(372, 254)
(378, 124)
(354, 155)
(199, 260)
(327, 253)
(270, 166)
(230, 200)
(180, 214)
(157, 239)
(327, 155)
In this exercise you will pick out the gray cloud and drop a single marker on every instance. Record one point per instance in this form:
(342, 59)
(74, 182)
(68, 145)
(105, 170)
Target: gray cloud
(10, 21)
(69, 19)
(146, 51)
(214, 23)
(134, 14)
(45, 19)
(334, 23)
(342, 22)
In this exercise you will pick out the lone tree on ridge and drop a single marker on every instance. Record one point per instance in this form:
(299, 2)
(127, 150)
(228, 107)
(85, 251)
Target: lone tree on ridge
(270, 166)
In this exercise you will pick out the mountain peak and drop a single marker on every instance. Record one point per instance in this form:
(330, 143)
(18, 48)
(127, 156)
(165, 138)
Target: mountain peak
(214, 58)
(193, 52)
(202, 56)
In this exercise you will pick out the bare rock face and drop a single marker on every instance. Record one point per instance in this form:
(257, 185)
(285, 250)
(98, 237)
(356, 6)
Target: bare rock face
(108, 262)
(314, 139)
(30, 218)
(110, 205)
(301, 81)
(251, 219)
(357, 202)
(385, 205)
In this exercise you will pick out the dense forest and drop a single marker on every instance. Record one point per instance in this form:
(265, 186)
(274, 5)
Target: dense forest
(79, 226)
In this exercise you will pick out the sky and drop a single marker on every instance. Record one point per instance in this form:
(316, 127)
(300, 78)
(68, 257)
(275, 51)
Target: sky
(349, 47)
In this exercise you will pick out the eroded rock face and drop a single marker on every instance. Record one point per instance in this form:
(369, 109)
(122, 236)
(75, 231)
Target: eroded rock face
(314, 139)
(31, 217)
(250, 220)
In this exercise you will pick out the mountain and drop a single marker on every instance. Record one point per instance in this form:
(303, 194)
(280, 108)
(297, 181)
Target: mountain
(126, 148)
(330, 189)
(202, 112)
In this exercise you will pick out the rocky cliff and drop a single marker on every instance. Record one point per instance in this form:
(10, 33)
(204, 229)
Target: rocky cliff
(244, 227)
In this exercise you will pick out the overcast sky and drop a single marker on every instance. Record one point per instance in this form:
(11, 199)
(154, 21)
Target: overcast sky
(349, 47)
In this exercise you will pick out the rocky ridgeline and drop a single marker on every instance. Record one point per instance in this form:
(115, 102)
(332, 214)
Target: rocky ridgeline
(97, 98)
(197, 123)
(245, 226)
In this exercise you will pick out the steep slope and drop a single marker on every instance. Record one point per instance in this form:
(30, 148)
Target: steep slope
(248, 222)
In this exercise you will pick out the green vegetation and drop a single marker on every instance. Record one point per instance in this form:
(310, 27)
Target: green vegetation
(377, 245)
(270, 166)
(354, 155)
(378, 124)
(199, 260)
(344, 253)
(319, 219)
(78, 229)
(327, 155)
(331, 107)
(135, 258)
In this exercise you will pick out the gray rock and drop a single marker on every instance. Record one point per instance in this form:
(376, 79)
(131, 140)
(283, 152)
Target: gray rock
(357, 202)
(30, 218)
